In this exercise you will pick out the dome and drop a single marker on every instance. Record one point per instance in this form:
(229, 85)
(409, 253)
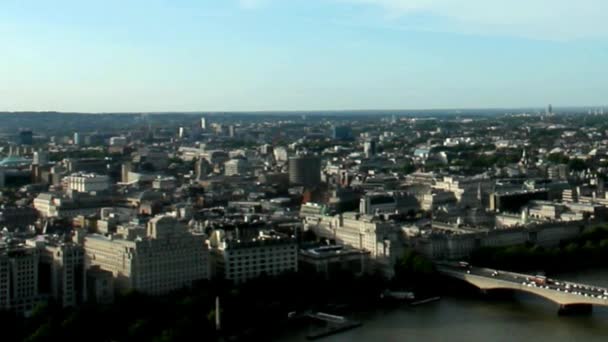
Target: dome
(14, 161)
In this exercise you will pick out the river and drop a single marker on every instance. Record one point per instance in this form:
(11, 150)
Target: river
(475, 319)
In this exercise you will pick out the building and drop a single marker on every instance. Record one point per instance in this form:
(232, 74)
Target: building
(332, 260)
(61, 270)
(369, 148)
(235, 167)
(239, 261)
(280, 154)
(40, 158)
(305, 170)
(118, 141)
(163, 259)
(19, 278)
(377, 203)
(382, 238)
(26, 137)
(341, 132)
(70, 205)
(77, 139)
(203, 123)
(88, 182)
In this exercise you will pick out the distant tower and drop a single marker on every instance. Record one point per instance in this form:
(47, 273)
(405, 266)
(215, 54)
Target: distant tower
(203, 123)
(77, 139)
(26, 137)
(549, 109)
(125, 168)
(181, 133)
(231, 131)
(369, 148)
(305, 170)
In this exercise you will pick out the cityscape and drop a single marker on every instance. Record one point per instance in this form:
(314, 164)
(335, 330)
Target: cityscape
(243, 171)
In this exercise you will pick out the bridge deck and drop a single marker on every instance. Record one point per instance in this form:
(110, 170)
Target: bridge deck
(561, 292)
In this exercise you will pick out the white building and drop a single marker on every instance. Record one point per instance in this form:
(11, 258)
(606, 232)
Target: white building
(383, 239)
(235, 167)
(167, 258)
(240, 261)
(88, 182)
(118, 141)
(280, 154)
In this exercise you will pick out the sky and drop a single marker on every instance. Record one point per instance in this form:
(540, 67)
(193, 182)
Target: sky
(254, 55)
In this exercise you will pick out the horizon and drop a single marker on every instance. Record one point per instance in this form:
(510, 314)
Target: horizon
(316, 55)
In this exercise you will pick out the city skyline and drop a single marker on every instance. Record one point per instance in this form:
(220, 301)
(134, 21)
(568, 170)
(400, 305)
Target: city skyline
(156, 56)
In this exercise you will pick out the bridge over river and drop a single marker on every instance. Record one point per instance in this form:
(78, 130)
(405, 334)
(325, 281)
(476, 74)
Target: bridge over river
(572, 297)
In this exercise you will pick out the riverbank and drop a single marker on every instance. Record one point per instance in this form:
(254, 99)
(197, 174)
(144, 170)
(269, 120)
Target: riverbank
(470, 316)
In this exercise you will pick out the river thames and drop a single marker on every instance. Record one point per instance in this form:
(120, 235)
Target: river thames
(475, 319)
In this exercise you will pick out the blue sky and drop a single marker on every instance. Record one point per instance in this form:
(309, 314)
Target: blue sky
(225, 55)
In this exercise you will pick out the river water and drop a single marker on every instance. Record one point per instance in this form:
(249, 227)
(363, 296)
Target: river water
(523, 317)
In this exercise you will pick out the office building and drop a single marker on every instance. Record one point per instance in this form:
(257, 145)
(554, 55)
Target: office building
(239, 261)
(41, 158)
(88, 182)
(369, 148)
(19, 278)
(341, 132)
(235, 167)
(305, 171)
(61, 270)
(163, 259)
(26, 137)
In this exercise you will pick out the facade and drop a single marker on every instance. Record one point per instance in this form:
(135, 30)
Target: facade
(329, 260)
(382, 239)
(26, 137)
(167, 258)
(240, 261)
(19, 278)
(88, 182)
(118, 141)
(235, 167)
(341, 132)
(305, 170)
(369, 148)
(60, 205)
(62, 271)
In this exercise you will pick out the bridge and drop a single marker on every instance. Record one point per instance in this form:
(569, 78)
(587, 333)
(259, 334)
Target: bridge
(572, 297)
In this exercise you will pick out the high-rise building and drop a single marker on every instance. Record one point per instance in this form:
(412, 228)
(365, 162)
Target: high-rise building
(159, 259)
(369, 148)
(231, 131)
(40, 158)
(203, 123)
(305, 170)
(19, 278)
(61, 270)
(26, 137)
(77, 139)
(280, 154)
(341, 132)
